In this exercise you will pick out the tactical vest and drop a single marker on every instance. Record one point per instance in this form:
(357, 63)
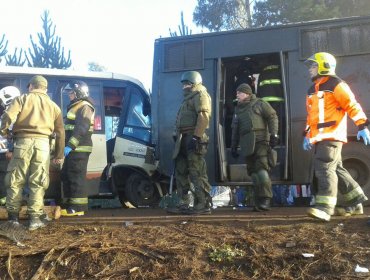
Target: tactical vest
(187, 116)
(251, 125)
(84, 144)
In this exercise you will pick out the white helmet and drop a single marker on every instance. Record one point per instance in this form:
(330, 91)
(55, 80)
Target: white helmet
(7, 94)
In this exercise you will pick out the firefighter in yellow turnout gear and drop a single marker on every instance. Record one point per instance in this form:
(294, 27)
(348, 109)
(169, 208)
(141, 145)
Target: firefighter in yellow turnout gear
(79, 126)
(329, 100)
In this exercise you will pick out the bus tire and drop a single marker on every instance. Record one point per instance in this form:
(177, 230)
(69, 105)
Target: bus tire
(141, 192)
(356, 159)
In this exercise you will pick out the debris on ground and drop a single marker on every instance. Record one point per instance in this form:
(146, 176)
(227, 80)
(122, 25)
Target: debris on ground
(197, 249)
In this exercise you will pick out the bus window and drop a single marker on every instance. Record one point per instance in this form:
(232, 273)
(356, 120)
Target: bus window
(95, 95)
(113, 103)
(138, 124)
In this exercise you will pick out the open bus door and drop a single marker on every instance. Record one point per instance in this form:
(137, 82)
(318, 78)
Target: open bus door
(228, 71)
(284, 119)
(220, 104)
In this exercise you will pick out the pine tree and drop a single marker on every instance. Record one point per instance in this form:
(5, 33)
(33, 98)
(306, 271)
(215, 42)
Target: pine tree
(183, 29)
(49, 53)
(14, 60)
(3, 46)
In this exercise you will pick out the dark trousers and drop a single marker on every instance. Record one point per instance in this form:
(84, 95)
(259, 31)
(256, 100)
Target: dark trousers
(73, 177)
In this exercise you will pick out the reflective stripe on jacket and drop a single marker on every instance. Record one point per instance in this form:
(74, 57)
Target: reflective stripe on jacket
(328, 102)
(79, 126)
(269, 84)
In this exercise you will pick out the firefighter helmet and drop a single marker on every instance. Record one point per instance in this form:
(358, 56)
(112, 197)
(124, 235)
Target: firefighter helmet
(80, 88)
(7, 94)
(326, 63)
(192, 76)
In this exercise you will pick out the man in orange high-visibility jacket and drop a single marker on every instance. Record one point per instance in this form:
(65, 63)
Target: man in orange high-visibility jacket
(329, 101)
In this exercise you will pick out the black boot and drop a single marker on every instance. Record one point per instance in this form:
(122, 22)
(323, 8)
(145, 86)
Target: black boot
(202, 204)
(35, 223)
(13, 217)
(262, 204)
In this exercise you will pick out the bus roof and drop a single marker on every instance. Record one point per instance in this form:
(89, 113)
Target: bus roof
(269, 27)
(67, 73)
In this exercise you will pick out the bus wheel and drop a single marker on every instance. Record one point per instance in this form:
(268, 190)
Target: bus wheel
(141, 192)
(356, 159)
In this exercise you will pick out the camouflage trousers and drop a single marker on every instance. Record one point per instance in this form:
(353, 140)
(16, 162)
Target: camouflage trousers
(190, 169)
(29, 164)
(258, 168)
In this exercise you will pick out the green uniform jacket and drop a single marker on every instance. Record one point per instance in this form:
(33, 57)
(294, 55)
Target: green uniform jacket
(253, 122)
(195, 111)
(35, 115)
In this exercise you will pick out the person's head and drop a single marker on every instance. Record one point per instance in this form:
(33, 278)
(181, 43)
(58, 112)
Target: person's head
(7, 94)
(244, 92)
(190, 78)
(321, 64)
(38, 82)
(77, 90)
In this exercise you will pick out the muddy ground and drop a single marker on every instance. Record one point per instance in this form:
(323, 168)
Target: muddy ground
(228, 246)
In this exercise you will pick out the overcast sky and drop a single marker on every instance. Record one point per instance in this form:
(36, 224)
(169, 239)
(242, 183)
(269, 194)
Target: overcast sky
(117, 34)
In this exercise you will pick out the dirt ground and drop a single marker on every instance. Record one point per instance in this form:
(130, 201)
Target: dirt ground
(227, 245)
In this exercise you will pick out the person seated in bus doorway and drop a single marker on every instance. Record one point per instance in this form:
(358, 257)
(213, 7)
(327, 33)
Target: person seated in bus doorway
(79, 126)
(191, 146)
(34, 117)
(7, 94)
(328, 102)
(255, 129)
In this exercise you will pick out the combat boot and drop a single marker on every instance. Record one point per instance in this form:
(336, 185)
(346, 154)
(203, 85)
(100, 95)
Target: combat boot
(201, 204)
(182, 207)
(45, 218)
(262, 204)
(35, 223)
(13, 217)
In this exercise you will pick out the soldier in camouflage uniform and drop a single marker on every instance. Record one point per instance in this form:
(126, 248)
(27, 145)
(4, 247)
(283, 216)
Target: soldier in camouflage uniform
(255, 127)
(191, 146)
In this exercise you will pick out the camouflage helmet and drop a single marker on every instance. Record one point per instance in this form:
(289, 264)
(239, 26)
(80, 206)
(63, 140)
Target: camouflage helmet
(192, 76)
(80, 88)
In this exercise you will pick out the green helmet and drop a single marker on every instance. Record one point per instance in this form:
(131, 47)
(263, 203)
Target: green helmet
(192, 76)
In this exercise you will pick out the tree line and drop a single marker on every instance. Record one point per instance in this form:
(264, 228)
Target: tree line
(219, 15)
(215, 15)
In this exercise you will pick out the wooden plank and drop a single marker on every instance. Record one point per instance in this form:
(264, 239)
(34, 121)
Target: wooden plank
(52, 211)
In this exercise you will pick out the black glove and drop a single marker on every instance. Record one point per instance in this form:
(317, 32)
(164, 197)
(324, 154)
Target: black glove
(274, 140)
(234, 152)
(192, 144)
